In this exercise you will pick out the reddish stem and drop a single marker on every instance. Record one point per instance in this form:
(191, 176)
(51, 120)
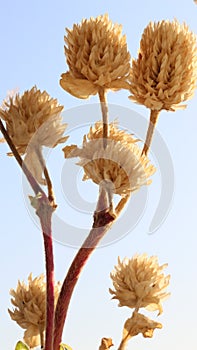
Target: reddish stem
(45, 213)
(102, 222)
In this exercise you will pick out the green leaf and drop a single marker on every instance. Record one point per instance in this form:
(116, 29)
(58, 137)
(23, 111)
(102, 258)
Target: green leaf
(21, 346)
(65, 347)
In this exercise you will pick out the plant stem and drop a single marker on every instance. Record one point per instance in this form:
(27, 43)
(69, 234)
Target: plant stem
(35, 186)
(102, 223)
(44, 211)
(154, 114)
(45, 214)
(123, 344)
(51, 196)
(104, 109)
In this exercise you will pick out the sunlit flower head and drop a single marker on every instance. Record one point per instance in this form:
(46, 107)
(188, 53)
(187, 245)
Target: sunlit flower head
(29, 311)
(139, 282)
(24, 115)
(165, 72)
(119, 167)
(33, 120)
(97, 56)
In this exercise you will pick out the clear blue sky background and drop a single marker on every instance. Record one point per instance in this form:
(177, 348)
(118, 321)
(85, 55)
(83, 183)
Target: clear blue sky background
(31, 41)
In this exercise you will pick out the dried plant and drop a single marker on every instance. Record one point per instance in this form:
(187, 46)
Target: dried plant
(164, 74)
(162, 77)
(30, 308)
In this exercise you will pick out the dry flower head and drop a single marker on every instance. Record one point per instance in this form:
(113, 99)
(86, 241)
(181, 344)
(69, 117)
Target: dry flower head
(165, 72)
(29, 312)
(33, 120)
(97, 57)
(119, 167)
(139, 282)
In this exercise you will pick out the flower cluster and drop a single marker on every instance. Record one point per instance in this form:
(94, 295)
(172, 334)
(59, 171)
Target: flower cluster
(24, 115)
(97, 57)
(119, 167)
(33, 120)
(29, 312)
(165, 72)
(140, 283)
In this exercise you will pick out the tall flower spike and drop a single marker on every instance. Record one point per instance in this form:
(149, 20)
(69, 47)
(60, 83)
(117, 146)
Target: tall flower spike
(119, 167)
(33, 120)
(97, 57)
(30, 308)
(164, 74)
(140, 283)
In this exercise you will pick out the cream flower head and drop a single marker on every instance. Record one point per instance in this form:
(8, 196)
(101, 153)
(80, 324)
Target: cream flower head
(165, 72)
(140, 283)
(30, 308)
(97, 57)
(119, 167)
(33, 120)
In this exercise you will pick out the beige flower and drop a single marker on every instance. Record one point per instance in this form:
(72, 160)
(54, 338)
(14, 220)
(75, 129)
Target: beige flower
(165, 72)
(33, 120)
(139, 282)
(119, 167)
(139, 323)
(97, 57)
(30, 308)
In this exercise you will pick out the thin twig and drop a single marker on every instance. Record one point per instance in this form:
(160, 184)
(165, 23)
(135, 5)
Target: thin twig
(35, 186)
(51, 196)
(154, 114)
(104, 109)
(102, 223)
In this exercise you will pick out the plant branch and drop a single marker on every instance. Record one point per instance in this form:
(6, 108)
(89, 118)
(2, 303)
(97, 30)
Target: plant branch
(44, 212)
(35, 186)
(104, 109)
(103, 221)
(51, 196)
(154, 114)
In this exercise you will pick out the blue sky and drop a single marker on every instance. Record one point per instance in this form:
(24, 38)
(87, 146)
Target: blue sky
(31, 41)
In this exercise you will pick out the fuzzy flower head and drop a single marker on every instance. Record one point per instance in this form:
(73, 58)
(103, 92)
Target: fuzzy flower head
(97, 57)
(33, 120)
(29, 312)
(165, 72)
(119, 167)
(140, 283)
(25, 114)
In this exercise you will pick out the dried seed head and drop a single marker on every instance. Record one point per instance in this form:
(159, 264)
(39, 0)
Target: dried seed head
(139, 282)
(97, 57)
(33, 120)
(29, 312)
(25, 115)
(165, 72)
(119, 167)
